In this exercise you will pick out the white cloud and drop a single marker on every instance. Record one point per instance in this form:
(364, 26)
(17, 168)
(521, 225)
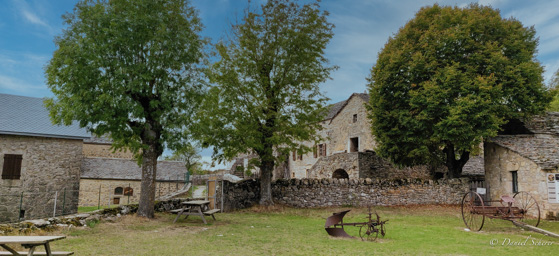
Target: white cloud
(33, 18)
(29, 14)
(17, 85)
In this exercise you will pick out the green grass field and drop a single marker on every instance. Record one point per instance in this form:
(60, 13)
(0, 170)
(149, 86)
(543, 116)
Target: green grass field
(432, 230)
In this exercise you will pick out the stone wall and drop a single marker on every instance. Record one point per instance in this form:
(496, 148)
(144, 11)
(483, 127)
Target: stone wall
(308, 193)
(500, 162)
(105, 151)
(49, 165)
(98, 191)
(365, 165)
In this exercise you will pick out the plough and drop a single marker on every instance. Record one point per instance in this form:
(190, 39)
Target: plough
(368, 231)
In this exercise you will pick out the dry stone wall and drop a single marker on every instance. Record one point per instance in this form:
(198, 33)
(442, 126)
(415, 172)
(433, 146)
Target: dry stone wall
(310, 193)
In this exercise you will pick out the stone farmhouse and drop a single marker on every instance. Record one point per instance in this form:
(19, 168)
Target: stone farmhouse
(525, 157)
(37, 159)
(348, 150)
(42, 163)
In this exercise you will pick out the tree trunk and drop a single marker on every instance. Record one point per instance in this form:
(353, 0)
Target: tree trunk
(149, 171)
(266, 169)
(455, 165)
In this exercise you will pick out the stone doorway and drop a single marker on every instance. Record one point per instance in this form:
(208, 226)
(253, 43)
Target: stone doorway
(340, 174)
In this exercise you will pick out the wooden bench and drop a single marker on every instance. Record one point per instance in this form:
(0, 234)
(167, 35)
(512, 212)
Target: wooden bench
(212, 212)
(40, 253)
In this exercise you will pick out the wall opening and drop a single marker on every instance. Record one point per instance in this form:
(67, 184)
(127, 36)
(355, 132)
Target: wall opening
(340, 174)
(514, 181)
(354, 144)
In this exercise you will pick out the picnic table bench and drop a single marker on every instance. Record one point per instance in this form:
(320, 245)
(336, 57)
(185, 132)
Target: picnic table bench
(30, 242)
(196, 208)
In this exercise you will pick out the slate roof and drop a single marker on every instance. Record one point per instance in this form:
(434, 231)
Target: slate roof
(27, 116)
(335, 108)
(542, 150)
(124, 169)
(474, 166)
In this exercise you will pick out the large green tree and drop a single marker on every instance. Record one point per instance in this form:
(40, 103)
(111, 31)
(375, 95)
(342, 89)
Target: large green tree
(190, 156)
(449, 78)
(266, 96)
(554, 86)
(129, 69)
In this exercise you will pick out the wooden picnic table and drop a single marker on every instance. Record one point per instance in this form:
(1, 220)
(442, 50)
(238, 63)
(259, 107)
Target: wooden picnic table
(196, 208)
(30, 242)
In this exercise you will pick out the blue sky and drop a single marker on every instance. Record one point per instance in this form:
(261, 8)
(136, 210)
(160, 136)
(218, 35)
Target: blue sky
(28, 27)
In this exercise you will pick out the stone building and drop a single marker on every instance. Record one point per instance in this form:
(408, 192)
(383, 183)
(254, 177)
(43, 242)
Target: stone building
(525, 157)
(113, 177)
(40, 162)
(348, 150)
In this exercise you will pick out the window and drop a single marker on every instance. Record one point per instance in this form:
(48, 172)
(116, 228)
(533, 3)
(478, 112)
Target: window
(514, 181)
(355, 118)
(315, 151)
(12, 167)
(294, 155)
(299, 156)
(116, 200)
(118, 191)
(128, 191)
(322, 150)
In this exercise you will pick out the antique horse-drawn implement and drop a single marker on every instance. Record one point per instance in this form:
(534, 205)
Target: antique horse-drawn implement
(368, 231)
(522, 208)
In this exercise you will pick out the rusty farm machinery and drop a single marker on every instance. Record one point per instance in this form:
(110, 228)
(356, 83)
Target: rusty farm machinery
(521, 209)
(368, 231)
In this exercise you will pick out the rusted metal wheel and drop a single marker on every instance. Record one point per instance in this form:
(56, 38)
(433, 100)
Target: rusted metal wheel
(382, 229)
(529, 206)
(472, 211)
(368, 233)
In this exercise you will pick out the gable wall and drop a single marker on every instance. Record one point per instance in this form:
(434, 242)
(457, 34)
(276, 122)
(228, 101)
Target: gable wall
(500, 161)
(337, 132)
(49, 165)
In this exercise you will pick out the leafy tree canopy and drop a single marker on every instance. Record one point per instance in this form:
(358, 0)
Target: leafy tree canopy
(129, 69)
(449, 78)
(190, 156)
(266, 96)
(554, 86)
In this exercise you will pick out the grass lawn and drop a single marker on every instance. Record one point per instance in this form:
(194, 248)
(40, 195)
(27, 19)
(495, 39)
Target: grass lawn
(427, 230)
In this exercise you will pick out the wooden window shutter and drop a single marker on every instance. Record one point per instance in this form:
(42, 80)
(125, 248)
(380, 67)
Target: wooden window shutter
(315, 151)
(294, 155)
(12, 167)
(324, 148)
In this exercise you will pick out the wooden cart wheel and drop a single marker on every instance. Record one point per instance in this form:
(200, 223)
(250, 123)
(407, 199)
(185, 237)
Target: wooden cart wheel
(472, 211)
(529, 206)
(368, 233)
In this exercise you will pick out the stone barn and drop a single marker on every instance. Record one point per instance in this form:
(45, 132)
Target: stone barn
(113, 177)
(39, 161)
(525, 157)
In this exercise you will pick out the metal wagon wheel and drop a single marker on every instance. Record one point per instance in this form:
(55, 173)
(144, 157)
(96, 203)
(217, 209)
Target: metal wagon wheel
(368, 233)
(382, 229)
(529, 206)
(472, 211)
